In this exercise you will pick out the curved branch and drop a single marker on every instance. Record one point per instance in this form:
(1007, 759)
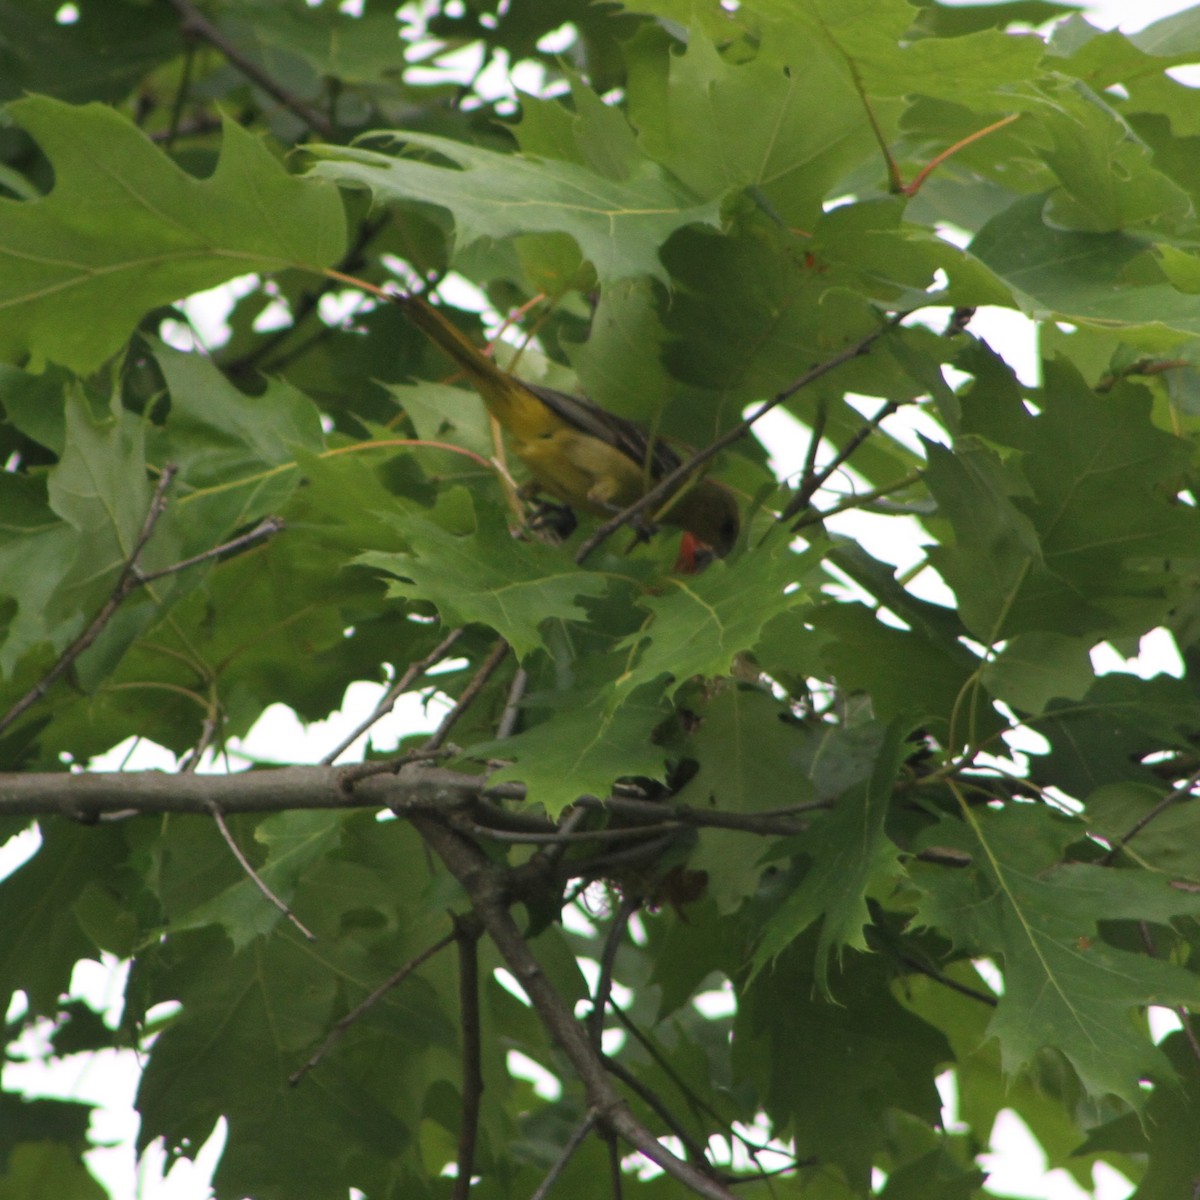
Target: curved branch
(128, 581)
(608, 957)
(484, 883)
(194, 24)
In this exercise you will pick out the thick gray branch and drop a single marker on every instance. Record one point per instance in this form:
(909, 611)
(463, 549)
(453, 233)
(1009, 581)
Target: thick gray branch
(92, 795)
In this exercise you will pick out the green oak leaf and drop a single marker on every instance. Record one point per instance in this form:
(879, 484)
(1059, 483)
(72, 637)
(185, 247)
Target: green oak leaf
(1106, 736)
(41, 936)
(295, 841)
(752, 755)
(1165, 1138)
(849, 852)
(700, 622)
(484, 575)
(1084, 277)
(722, 126)
(871, 1056)
(1035, 668)
(124, 230)
(1064, 985)
(1108, 180)
(905, 672)
(581, 749)
(618, 225)
(1074, 539)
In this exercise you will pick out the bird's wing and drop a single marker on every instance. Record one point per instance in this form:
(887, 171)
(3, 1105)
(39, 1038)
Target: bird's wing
(631, 439)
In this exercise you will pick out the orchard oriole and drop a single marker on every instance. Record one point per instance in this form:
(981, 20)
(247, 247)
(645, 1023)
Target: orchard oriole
(579, 453)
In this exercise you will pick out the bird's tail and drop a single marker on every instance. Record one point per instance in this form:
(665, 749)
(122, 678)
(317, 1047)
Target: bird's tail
(493, 384)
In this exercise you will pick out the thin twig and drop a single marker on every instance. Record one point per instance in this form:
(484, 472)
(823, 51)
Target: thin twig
(255, 877)
(814, 444)
(669, 482)
(656, 1104)
(467, 937)
(548, 857)
(360, 1010)
(265, 528)
(860, 501)
(568, 1152)
(194, 24)
(1182, 792)
(812, 484)
(696, 1102)
(963, 989)
(388, 702)
(566, 837)
(127, 582)
(614, 1167)
(781, 821)
(185, 83)
(512, 706)
(604, 981)
(208, 731)
(469, 695)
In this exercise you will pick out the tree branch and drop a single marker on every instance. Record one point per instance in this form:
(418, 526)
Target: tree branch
(608, 957)
(466, 934)
(255, 878)
(359, 1010)
(484, 883)
(568, 1152)
(415, 787)
(87, 796)
(388, 702)
(127, 582)
(814, 480)
(653, 1101)
(130, 579)
(194, 24)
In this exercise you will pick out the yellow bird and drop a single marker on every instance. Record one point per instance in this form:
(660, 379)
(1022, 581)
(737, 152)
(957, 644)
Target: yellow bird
(579, 453)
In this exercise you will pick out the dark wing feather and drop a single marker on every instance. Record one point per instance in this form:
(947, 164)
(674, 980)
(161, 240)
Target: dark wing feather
(623, 435)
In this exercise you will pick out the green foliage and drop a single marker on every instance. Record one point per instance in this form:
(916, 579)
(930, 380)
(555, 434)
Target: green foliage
(842, 775)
